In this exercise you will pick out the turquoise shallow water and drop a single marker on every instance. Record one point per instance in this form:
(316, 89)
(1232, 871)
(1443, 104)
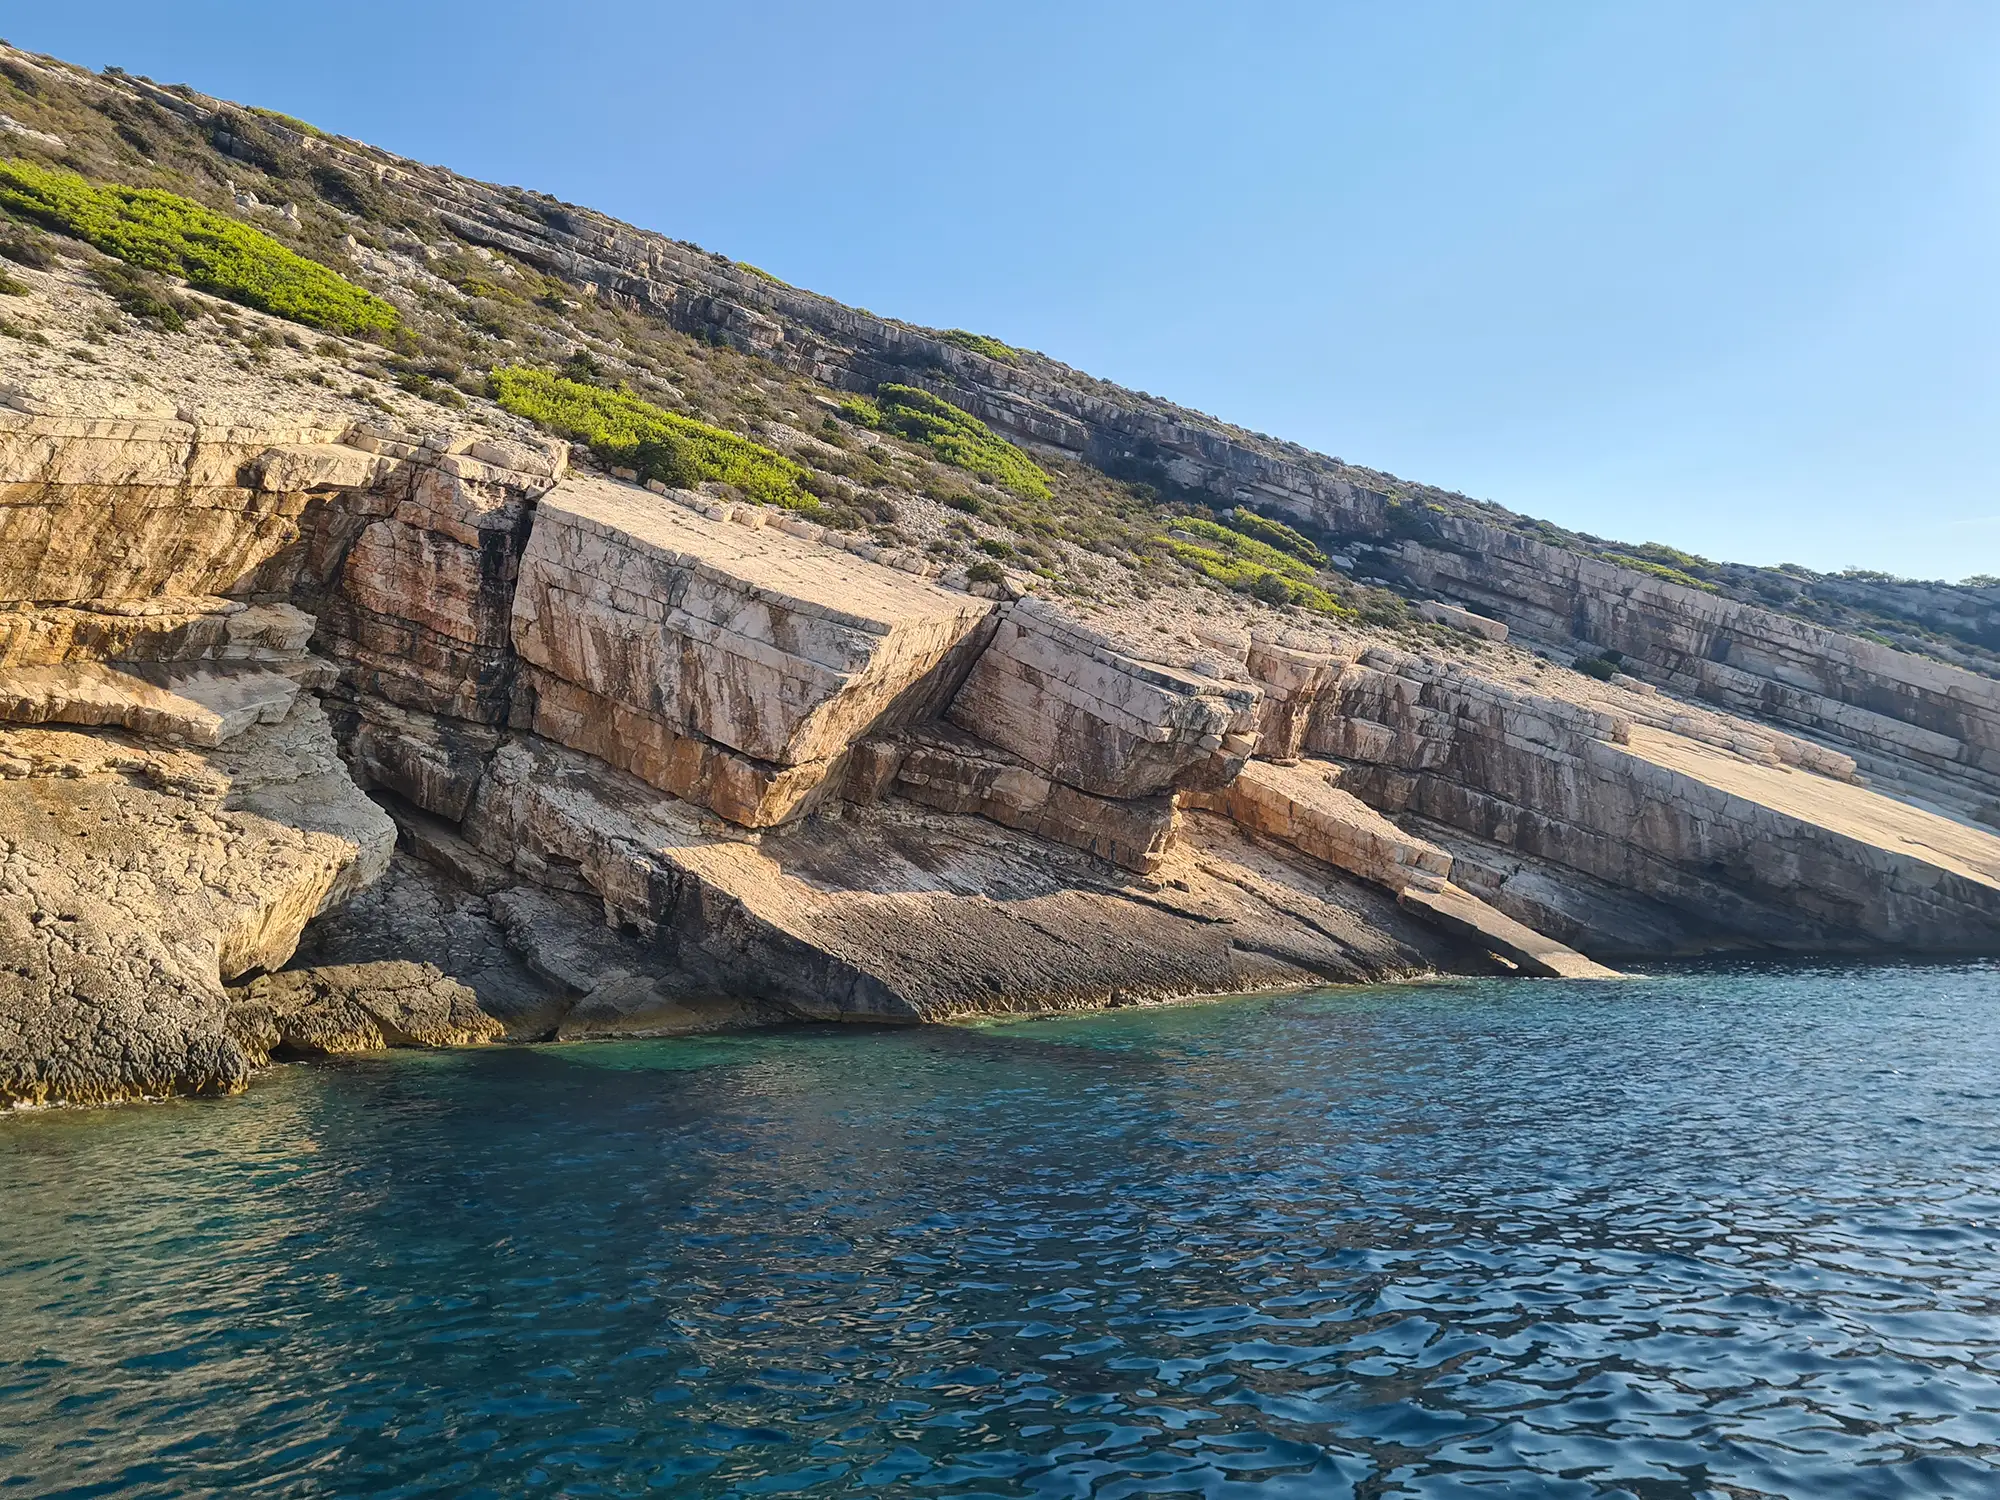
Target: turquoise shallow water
(1731, 1233)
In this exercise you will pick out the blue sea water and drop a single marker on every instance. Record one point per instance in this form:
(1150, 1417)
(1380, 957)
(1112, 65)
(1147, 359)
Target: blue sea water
(1726, 1233)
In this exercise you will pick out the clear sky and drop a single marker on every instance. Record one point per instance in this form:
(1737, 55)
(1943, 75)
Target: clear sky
(1722, 275)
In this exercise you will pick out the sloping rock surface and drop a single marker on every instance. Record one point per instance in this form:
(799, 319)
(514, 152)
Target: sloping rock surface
(133, 882)
(728, 665)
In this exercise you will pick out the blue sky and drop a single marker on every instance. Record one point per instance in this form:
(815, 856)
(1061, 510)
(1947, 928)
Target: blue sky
(1720, 275)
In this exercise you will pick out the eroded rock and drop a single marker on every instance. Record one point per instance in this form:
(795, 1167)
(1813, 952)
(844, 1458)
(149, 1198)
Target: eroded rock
(725, 665)
(321, 1012)
(1072, 704)
(134, 880)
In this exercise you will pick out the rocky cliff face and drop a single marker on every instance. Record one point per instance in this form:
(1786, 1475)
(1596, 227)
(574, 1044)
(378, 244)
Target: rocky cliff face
(333, 715)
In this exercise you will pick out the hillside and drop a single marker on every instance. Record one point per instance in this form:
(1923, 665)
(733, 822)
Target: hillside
(430, 613)
(483, 276)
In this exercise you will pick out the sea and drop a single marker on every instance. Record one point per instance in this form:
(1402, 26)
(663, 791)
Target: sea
(1724, 1231)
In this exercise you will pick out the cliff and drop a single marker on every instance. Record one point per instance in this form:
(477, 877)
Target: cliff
(584, 635)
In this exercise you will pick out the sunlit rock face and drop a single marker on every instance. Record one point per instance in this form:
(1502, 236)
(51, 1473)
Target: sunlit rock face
(137, 877)
(1745, 834)
(728, 665)
(1099, 718)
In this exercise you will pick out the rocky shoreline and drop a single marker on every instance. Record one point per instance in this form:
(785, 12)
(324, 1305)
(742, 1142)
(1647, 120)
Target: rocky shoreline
(653, 766)
(336, 715)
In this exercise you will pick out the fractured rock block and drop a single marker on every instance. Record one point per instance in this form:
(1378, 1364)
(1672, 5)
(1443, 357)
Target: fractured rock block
(778, 653)
(1462, 619)
(946, 769)
(103, 509)
(198, 629)
(200, 705)
(1293, 677)
(1074, 705)
(1467, 917)
(755, 793)
(1299, 805)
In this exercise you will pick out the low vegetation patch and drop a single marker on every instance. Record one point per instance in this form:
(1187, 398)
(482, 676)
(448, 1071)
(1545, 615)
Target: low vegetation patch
(167, 233)
(954, 435)
(26, 248)
(1658, 560)
(678, 451)
(1604, 666)
(143, 295)
(979, 343)
(290, 122)
(1275, 534)
(1240, 562)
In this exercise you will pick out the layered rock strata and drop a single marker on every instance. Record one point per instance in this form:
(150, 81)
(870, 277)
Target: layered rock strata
(660, 762)
(1923, 724)
(1756, 850)
(726, 664)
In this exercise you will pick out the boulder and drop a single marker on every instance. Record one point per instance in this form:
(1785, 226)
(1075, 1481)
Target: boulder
(737, 664)
(355, 1008)
(135, 879)
(1085, 711)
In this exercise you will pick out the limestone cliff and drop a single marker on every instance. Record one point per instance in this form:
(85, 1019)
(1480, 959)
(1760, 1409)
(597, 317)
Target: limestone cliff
(343, 707)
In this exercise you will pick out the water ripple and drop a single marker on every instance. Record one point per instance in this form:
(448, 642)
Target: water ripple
(1710, 1234)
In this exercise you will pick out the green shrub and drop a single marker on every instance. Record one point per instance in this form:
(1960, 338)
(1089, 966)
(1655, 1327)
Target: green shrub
(760, 273)
(142, 294)
(290, 122)
(676, 450)
(9, 287)
(985, 572)
(993, 547)
(861, 411)
(1275, 534)
(165, 232)
(960, 439)
(1602, 668)
(1668, 557)
(1240, 562)
(979, 343)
